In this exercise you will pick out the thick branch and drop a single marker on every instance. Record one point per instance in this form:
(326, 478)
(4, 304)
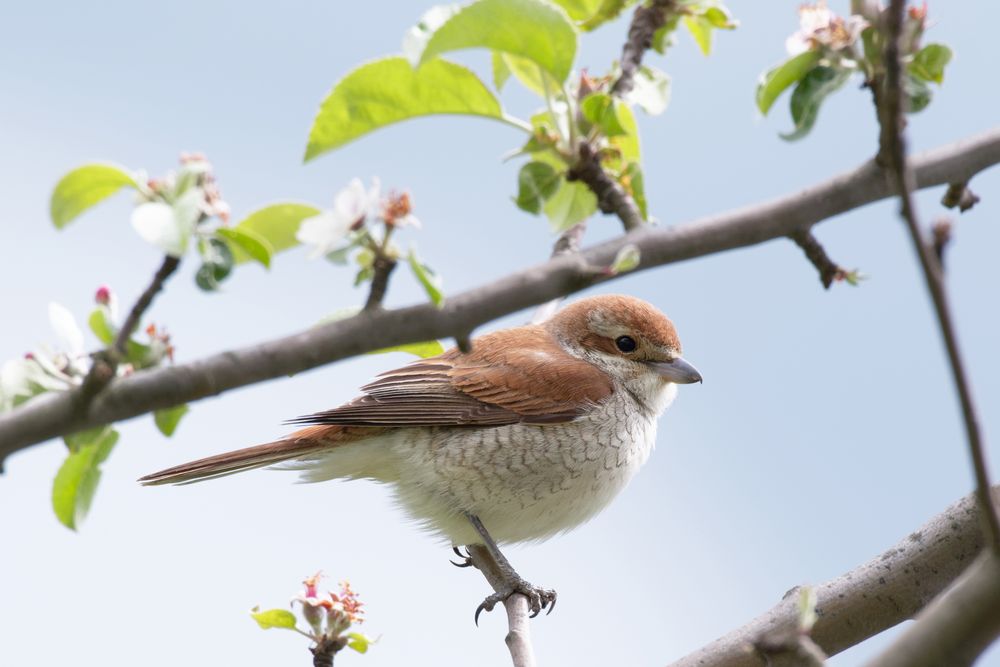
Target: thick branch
(871, 598)
(518, 638)
(568, 243)
(893, 152)
(52, 415)
(954, 629)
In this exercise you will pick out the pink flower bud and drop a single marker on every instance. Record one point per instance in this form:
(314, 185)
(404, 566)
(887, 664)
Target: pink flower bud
(103, 295)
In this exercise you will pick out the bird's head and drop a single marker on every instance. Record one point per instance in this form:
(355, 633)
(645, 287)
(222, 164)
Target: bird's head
(626, 337)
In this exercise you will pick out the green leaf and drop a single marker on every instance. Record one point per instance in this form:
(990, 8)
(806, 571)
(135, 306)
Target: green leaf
(777, 79)
(632, 176)
(359, 642)
(664, 37)
(532, 29)
(529, 74)
(424, 350)
(701, 29)
(808, 96)
(217, 264)
(249, 242)
(536, 182)
(273, 618)
(388, 91)
(626, 259)
(930, 61)
(100, 323)
(501, 71)
(573, 202)
(608, 10)
(918, 93)
(168, 419)
(429, 280)
(75, 483)
(277, 224)
(720, 18)
(85, 186)
(602, 110)
(628, 143)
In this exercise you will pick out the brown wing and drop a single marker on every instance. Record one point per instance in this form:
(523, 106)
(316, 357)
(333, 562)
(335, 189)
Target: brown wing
(512, 376)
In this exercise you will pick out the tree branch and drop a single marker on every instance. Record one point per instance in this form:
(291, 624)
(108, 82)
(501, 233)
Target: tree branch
(53, 414)
(829, 270)
(611, 196)
(518, 638)
(954, 629)
(893, 151)
(645, 22)
(145, 300)
(383, 267)
(869, 599)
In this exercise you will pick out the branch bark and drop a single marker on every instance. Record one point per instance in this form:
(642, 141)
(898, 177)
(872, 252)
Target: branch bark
(518, 638)
(871, 598)
(53, 415)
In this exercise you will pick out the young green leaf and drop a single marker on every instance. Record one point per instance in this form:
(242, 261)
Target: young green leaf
(429, 280)
(529, 74)
(777, 79)
(74, 485)
(276, 224)
(424, 350)
(808, 96)
(273, 618)
(389, 91)
(536, 182)
(501, 71)
(930, 61)
(359, 642)
(100, 323)
(533, 29)
(168, 419)
(243, 239)
(607, 10)
(918, 93)
(632, 181)
(573, 202)
(85, 186)
(701, 29)
(626, 259)
(602, 110)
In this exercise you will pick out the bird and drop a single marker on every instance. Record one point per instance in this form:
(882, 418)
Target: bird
(528, 434)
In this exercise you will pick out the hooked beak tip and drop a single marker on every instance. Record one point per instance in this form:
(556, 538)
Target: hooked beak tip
(678, 371)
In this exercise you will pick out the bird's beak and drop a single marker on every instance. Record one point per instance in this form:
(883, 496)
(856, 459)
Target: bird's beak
(677, 371)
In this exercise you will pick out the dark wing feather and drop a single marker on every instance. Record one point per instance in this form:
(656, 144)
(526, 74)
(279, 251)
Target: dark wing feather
(507, 378)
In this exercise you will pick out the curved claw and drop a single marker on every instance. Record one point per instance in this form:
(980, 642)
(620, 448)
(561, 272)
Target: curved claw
(466, 558)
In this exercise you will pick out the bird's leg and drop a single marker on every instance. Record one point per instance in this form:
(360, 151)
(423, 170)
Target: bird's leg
(510, 581)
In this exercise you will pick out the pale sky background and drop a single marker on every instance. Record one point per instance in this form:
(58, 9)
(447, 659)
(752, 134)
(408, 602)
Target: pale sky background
(826, 429)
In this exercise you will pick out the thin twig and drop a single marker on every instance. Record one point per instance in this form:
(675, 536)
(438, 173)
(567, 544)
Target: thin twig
(829, 271)
(145, 300)
(105, 363)
(904, 182)
(611, 196)
(383, 267)
(54, 414)
(518, 638)
(958, 195)
(645, 22)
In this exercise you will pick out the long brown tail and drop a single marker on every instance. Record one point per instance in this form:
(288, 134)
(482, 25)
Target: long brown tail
(306, 441)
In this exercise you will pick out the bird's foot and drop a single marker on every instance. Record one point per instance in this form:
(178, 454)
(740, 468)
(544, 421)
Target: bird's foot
(465, 559)
(538, 598)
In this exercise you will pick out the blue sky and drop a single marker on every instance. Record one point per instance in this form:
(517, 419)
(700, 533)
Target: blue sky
(826, 429)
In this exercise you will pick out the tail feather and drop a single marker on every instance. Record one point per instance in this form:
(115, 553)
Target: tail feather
(300, 443)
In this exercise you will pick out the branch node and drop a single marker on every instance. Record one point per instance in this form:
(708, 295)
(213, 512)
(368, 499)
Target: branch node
(611, 196)
(941, 234)
(958, 195)
(829, 271)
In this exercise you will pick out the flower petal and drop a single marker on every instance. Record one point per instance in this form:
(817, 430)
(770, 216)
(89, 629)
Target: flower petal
(67, 330)
(323, 232)
(157, 224)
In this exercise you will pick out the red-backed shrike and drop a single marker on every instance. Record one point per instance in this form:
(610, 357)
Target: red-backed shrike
(529, 434)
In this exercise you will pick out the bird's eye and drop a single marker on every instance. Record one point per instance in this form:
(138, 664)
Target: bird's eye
(625, 343)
